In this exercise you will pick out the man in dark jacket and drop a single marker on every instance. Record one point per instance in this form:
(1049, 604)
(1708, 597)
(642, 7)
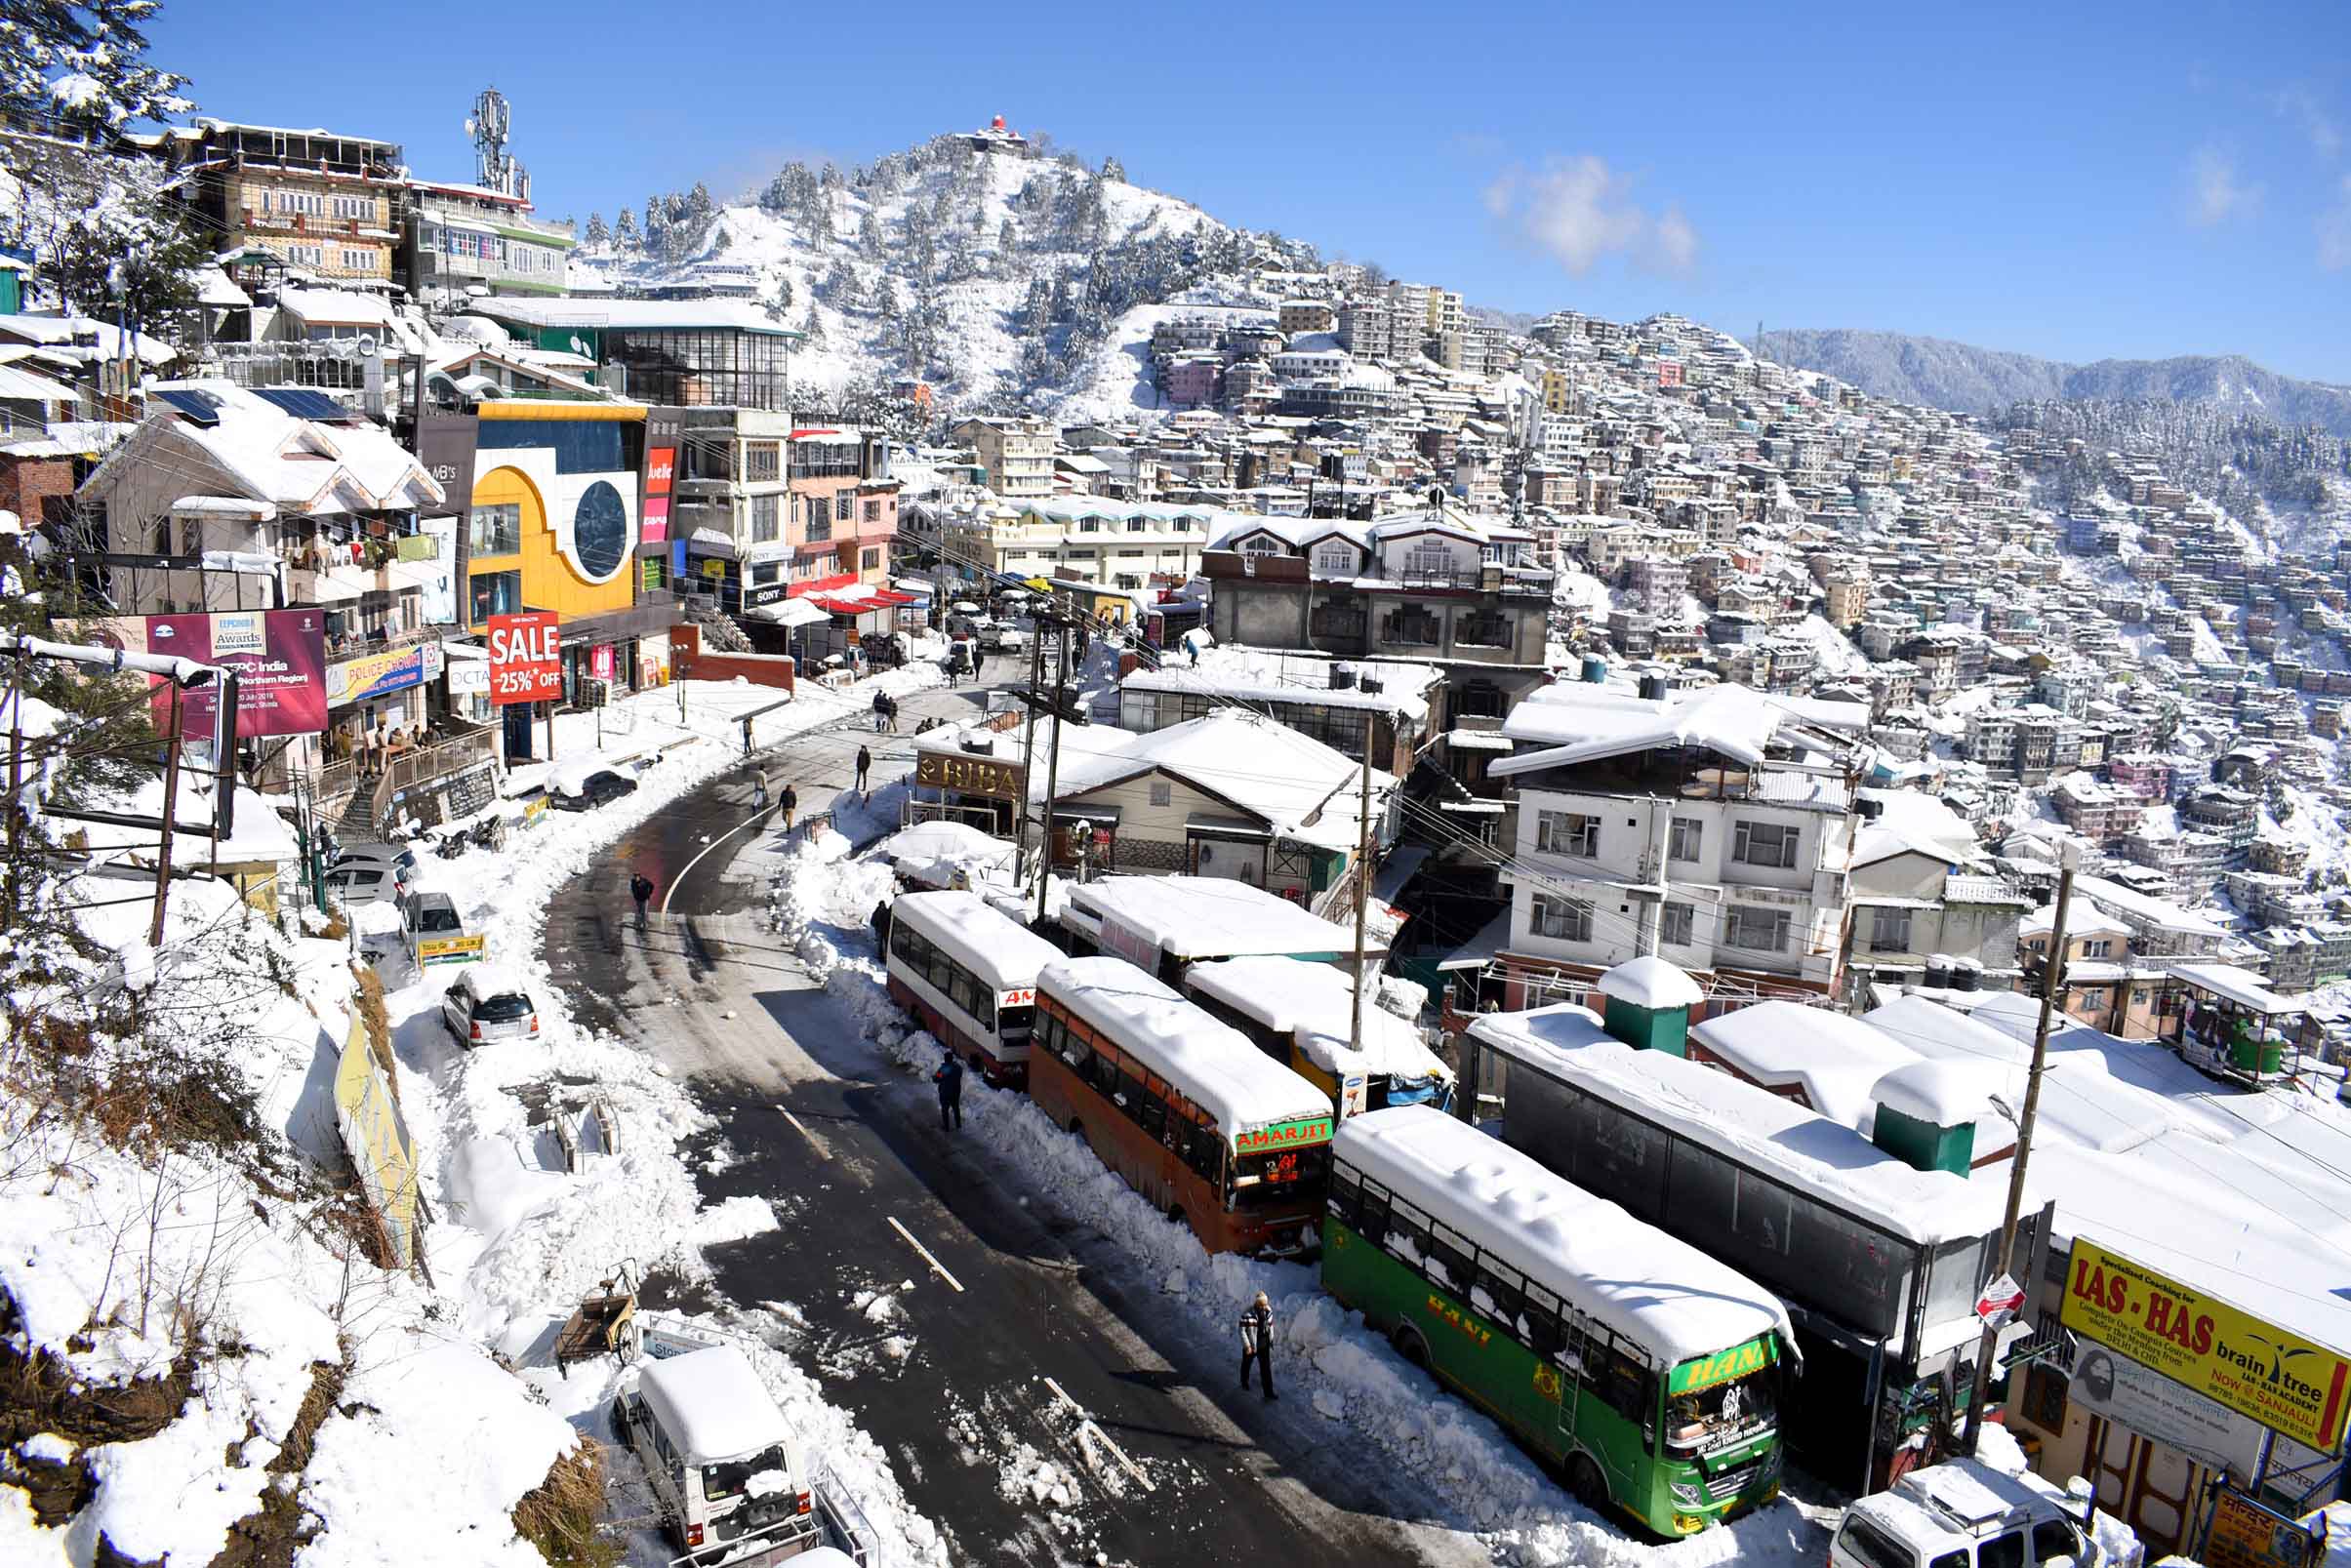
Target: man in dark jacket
(949, 1080)
(1257, 1342)
(790, 800)
(640, 888)
(864, 766)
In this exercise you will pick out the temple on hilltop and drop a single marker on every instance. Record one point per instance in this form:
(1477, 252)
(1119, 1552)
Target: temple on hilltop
(997, 137)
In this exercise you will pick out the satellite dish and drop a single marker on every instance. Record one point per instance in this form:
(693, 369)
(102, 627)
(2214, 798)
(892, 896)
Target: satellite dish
(368, 346)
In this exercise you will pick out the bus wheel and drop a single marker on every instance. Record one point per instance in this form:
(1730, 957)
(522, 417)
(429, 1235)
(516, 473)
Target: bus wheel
(1584, 1480)
(1410, 1346)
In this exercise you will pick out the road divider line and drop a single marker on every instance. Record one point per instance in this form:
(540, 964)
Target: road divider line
(937, 1267)
(749, 821)
(814, 1142)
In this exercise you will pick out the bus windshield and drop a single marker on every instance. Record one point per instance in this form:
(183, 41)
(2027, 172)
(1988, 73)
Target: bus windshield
(1280, 1177)
(1720, 1413)
(1013, 1022)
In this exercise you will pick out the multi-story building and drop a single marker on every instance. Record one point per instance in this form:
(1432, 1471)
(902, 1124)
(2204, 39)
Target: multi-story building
(325, 204)
(729, 511)
(691, 353)
(1437, 587)
(456, 237)
(1015, 455)
(1307, 315)
(1114, 543)
(1714, 829)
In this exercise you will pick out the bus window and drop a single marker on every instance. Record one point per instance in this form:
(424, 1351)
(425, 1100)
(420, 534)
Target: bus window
(1204, 1150)
(1407, 1231)
(1502, 1289)
(1373, 1218)
(1449, 1255)
(939, 970)
(1346, 1194)
(1540, 1320)
(1012, 1024)
(1629, 1387)
(1151, 1112)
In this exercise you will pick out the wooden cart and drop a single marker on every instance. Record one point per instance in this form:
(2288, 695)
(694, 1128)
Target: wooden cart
(604, 1323)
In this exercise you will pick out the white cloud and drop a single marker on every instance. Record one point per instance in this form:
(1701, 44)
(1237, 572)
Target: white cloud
(2335, 231)
(2215, 193)
(1577, 210)
(2301, 105)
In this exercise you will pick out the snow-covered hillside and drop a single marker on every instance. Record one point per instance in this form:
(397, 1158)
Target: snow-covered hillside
(1001, 280)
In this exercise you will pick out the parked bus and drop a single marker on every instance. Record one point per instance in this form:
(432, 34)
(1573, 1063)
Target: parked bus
(969, 973)
(1302, 1016)
(1646, 1368)
(1184, 1108)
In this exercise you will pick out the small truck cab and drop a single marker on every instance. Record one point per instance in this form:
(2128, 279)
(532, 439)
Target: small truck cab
(728, 1475)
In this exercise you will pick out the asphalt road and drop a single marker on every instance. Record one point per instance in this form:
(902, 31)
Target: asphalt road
(994, 1343)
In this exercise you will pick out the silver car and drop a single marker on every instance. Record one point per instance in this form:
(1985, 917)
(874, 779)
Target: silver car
(484, 1005)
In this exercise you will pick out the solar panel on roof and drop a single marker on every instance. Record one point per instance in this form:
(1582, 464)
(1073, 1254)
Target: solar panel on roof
(200, 407)
(303, 403)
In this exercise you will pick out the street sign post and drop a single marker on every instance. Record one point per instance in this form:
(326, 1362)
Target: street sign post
(1999, 1301)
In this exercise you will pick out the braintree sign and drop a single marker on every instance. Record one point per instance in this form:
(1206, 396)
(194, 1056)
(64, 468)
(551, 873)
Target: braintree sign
(525, 662)
(2277, 1377)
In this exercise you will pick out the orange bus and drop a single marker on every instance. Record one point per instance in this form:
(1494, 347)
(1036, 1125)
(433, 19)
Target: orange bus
(1185, 1109)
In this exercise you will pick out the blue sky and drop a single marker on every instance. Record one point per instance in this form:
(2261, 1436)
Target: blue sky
(2073, 181)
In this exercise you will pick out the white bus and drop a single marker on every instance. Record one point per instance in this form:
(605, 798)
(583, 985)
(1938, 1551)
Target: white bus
(1185, 1109)
(969, 973)
(1302, 1014)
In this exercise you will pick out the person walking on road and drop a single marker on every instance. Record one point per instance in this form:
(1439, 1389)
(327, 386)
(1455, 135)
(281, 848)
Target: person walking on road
(1257, 1342)
(881, 710)
(791, 802)
(759, 790)
(889, 708)
(640, 888)
(864, 766)
(949, 1080)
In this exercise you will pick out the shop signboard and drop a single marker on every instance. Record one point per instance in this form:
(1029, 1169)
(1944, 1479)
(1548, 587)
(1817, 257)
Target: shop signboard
(378, 675)
(600, 662)
(526, 662)
(969, 776)
(2247, 1535)
(2294, 1387)
(280, 659)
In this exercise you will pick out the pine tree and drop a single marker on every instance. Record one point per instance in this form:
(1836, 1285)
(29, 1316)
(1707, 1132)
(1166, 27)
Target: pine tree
(82, 61)
(598, 233)
(868, 236)
(1112, 169)
(700, 209)
(624, 232)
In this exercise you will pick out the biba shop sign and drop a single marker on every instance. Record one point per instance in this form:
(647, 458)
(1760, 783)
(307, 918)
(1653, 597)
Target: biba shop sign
(1284, 1135)
(2293, 1387)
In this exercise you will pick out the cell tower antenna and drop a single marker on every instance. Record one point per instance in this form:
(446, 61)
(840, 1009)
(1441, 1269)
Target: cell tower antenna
(495, 169)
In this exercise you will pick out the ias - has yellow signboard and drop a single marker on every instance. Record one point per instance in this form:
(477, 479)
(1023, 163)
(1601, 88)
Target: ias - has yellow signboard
(2280, 1380)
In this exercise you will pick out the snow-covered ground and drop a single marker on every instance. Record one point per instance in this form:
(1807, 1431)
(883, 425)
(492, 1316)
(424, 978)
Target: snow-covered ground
(119, 1263)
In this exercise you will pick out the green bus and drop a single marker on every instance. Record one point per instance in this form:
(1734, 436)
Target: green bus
(1645, 1369)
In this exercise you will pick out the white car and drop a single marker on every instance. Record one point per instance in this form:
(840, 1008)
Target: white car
(356, 881)
(486, 1004)
(1961, 1513)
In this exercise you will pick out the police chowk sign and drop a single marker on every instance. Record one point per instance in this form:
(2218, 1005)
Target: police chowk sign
(526, 661)
(2288, 1383)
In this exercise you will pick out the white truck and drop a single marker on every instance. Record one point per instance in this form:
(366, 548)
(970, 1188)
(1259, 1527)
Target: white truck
(729, 1482)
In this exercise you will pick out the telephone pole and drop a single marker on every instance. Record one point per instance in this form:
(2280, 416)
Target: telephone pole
(2052, 965)
(1036, 678)
(1061, 716)
(1354, 1022)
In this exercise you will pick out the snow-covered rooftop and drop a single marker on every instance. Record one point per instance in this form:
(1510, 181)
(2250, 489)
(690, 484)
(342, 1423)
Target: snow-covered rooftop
(1315, 1005)
(1650, 982)
(1837, 1061)
(1573, 722)
(1210, 917)
(1646, 1285)
(1768, 1132)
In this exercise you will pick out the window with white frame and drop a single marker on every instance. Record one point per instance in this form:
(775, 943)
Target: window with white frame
(1686, 838)
(1890, 931)
(1567, 832)
(1766, 844)
(2098, 947)
(361, 209)
(844, 507)
(1561, 919)
(358, 261)
(1677, 925)
(767, 519)
(1753, 929)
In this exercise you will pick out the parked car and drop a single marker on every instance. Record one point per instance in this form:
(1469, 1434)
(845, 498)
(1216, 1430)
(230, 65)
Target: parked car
(726, 1470)
(398, 856)
(434, 931)
(1960, 1513)
(486, 1004)
(600, 788)
(357, 882)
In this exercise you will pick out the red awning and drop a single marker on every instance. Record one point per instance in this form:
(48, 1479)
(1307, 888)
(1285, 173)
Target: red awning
(822, 585)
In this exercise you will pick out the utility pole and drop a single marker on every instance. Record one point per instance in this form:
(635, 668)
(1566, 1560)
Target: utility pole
(2069, 859)
(171, 796)
(1354, 1022)
(1060, 706)
(16, 786)
(1036, 678)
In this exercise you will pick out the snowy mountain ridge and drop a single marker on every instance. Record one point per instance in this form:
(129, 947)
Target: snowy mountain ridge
(1003, 281)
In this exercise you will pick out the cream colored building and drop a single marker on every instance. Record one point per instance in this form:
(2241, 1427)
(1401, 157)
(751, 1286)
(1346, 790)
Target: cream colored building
(1016, 455)
(1120, 545)
(323, 203)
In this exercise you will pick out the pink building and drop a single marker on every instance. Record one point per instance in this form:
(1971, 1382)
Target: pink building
(2148, 777)
(1193, 383)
